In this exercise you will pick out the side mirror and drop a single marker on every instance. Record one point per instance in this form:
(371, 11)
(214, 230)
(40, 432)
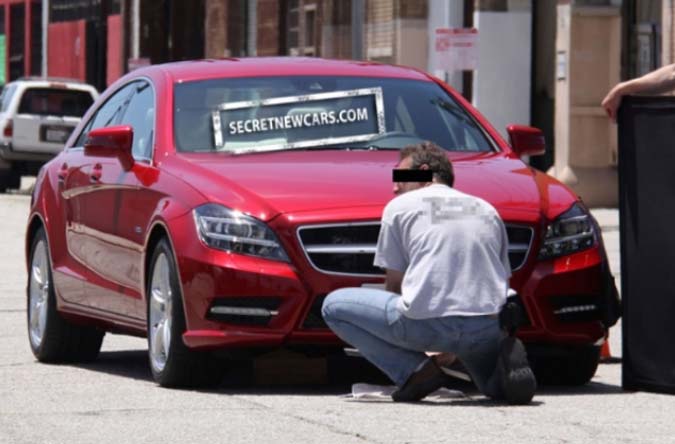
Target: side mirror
(111, 141)
(526, 141)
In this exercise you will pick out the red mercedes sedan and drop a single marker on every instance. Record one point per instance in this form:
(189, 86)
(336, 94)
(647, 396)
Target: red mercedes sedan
(211, 205)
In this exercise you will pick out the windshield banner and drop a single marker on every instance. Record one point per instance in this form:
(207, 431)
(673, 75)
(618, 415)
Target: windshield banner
(320, 119)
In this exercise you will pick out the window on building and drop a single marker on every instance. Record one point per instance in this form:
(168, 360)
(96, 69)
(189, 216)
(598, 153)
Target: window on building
(293, 30)
(310, 30)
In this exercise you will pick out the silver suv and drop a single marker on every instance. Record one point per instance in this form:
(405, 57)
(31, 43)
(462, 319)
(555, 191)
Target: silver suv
(37, 116)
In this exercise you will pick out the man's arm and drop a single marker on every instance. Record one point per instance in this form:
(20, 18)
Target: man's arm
(391, 256)
(656, 82)
(392, 281)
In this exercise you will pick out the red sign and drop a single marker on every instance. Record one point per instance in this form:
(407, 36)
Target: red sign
(456, 49)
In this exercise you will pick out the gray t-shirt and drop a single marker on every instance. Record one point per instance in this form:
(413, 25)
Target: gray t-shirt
(453, 249)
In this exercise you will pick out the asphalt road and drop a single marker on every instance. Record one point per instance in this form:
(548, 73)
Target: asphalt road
(114, 399)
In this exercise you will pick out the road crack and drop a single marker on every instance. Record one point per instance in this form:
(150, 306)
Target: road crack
(329, 427)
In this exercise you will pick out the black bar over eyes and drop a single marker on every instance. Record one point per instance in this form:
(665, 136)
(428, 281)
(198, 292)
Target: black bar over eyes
(412, 175)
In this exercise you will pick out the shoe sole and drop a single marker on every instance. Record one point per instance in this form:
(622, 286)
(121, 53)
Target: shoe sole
(518, 381)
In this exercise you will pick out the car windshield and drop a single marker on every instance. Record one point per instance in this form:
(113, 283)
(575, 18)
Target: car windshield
(277, 113)
(55, 102)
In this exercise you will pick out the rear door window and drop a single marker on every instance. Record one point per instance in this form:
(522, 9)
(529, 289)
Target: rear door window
(55, 102)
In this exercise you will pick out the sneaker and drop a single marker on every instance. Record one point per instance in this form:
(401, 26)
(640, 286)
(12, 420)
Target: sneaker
(516, 377)
(426, 380)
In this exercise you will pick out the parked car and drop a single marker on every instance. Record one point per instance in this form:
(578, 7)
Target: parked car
(211, 206)
(37, 116)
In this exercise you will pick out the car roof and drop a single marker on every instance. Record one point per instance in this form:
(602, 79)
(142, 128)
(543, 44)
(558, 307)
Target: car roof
(46, 82)
(280, 66)
(50, 79)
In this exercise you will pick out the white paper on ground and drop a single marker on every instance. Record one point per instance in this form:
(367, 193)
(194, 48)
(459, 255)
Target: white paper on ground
(383, 392)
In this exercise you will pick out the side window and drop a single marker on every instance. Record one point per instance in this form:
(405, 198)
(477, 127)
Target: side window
(140, 115)
(109, 113)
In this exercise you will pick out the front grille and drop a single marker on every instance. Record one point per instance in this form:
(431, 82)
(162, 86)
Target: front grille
(342, 249)
(520, 240)
(349, 249)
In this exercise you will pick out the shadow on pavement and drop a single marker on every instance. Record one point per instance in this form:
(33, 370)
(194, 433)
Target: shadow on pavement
(592, 388)
(478, 401)
(127, 363)
(290, 377)
(301, 376)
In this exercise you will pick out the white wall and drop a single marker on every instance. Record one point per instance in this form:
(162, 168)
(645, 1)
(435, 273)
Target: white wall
(443, 14)
(501, 88)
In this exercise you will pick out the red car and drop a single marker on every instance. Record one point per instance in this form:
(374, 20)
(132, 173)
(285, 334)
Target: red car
(211, 205)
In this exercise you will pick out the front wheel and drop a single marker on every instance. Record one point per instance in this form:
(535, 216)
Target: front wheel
(52, 338)
(171, 362)
(574, 367)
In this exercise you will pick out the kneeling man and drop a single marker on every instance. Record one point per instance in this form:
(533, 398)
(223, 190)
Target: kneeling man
(447, 271)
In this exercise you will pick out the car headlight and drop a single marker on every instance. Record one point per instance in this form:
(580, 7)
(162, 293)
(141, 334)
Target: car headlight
(572, 231)
(225, 229)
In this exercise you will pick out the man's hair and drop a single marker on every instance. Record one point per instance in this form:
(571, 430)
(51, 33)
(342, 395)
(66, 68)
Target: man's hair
(432, 155)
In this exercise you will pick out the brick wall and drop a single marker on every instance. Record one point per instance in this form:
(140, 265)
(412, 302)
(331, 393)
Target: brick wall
(215, 32)
(67, 51)
(268, 37)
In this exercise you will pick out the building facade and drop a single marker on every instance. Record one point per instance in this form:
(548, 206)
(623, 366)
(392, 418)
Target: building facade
(20, 38)
(547, 63)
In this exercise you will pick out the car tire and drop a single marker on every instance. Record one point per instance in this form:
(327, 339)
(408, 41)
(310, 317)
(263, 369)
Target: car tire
(9, 179)
(574, 368)
(172, 363)
(52, 338)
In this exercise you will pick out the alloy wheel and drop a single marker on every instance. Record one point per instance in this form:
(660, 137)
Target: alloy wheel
(160, 313)
(39, 294)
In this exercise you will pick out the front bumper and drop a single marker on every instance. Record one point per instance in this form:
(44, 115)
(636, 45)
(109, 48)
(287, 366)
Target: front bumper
(8, 153)
(293, 293)
(563, 299)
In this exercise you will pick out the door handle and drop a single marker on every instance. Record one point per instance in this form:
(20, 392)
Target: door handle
(96, 173)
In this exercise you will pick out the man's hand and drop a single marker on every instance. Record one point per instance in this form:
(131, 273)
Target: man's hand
(612, 101)
(392, 281)
(656, 82)
(443, 359)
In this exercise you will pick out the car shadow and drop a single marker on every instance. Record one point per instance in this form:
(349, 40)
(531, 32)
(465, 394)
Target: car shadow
(269, 376)
(592, 388)
(246, 378)
(132, 364)
(478, 401)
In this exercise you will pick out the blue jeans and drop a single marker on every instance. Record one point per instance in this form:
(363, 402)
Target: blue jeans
(368, 319)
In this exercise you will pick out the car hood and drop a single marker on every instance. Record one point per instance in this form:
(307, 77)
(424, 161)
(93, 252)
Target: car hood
(269, 184)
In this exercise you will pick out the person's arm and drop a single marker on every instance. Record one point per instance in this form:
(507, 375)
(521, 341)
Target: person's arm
(390, 255)
(392, 281)
(656, 82)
